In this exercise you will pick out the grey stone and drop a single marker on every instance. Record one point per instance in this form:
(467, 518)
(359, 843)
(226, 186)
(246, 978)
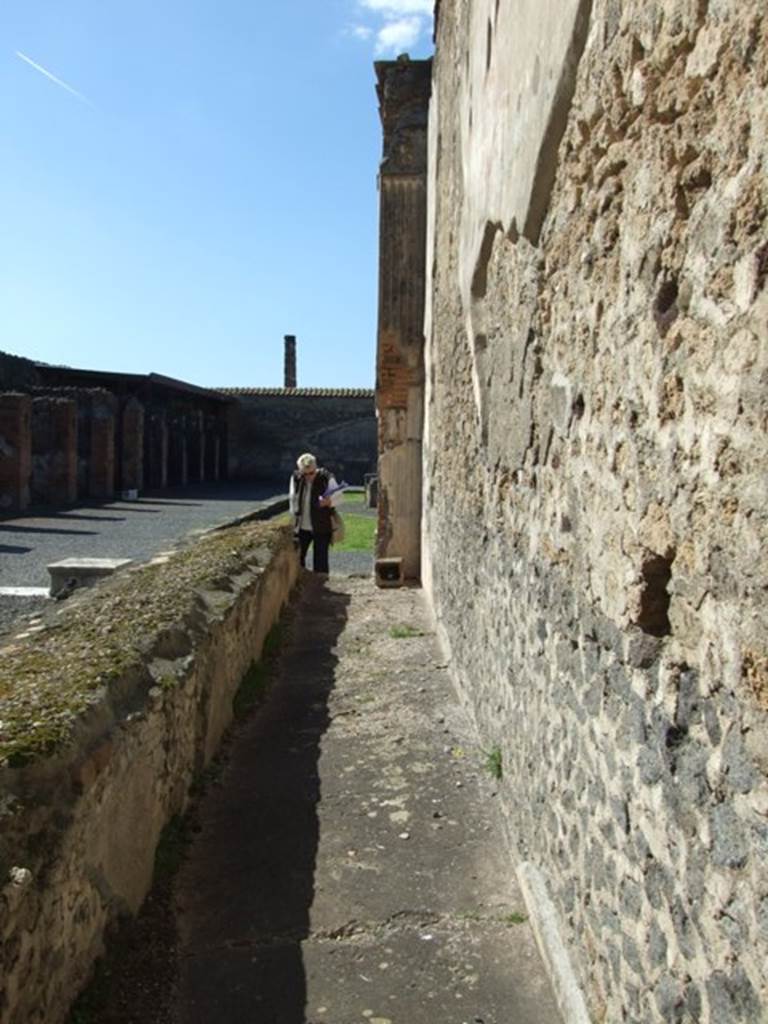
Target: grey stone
(632, 723)
(669, 996)
(621, 814)
(657, 946)
(740, 773)
(617, 681)
(681, 922)
(761, 913)
(80, 572)
(729, 843)
(651, 766)
(642, 650)
(693, 1002)
(631, 899)
(732, 998)
(690, 770)
(712, 723)
(657, 884)
(631, 955)
(688, 710)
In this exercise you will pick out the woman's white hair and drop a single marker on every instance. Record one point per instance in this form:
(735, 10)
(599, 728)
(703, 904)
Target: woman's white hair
(306, 461)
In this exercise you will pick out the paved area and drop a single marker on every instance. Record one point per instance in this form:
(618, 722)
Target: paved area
(344, 864)
(117, 529)
(348, 864)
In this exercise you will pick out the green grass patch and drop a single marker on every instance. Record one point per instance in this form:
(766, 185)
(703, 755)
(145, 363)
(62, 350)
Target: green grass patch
(359, 533)
(404, 632)
(493, 763)
(515, 918)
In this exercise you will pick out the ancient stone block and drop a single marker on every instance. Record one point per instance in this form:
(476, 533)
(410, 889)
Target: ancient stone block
(72, 573)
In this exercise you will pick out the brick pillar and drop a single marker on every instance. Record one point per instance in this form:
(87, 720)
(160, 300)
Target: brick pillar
(132, 447)
(54, 451)
(403, 90)
(101, 456)
(195, 446)
(15, 451)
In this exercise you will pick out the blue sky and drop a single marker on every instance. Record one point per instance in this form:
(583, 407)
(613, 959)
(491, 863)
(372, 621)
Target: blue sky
(199, 181)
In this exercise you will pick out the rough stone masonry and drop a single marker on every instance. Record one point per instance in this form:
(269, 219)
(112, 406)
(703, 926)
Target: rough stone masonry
(595, 469)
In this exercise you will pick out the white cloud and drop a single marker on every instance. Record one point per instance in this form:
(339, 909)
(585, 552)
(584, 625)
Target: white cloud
(395, 26)
(396, 8)
(397, 36)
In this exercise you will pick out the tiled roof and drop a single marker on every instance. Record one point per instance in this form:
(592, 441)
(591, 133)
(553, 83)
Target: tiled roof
(302, 392)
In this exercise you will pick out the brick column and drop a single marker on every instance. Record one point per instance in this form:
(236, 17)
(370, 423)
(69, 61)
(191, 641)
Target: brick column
(54, 451)
(132, 446)
(101, 456)
(15, 451)
(403, 91)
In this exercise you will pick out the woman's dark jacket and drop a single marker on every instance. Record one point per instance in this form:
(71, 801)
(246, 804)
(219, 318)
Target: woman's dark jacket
(321, 517)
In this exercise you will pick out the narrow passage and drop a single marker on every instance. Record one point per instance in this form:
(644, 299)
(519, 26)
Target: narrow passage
(347, 865)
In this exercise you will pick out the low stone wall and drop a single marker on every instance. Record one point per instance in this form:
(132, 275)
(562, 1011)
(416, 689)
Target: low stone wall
(106, 720)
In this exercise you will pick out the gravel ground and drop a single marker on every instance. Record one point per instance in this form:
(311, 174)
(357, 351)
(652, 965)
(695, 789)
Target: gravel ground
(116, 529)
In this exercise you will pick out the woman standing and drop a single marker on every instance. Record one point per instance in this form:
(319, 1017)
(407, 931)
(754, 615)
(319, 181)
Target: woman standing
(311, 510)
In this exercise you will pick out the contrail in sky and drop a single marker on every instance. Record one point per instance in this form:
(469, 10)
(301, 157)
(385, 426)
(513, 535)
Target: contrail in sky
(53, 78)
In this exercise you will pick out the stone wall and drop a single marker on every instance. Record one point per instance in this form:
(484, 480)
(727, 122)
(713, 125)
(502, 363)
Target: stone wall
(595, 470)
(269, 428)
(105, 721)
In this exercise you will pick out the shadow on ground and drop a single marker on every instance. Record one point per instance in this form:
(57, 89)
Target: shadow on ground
(222, 940)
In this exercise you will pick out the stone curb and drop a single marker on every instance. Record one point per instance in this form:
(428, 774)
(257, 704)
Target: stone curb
(543, 918)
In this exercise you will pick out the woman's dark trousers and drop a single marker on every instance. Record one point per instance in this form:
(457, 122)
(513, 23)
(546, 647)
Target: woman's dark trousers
(322, 541)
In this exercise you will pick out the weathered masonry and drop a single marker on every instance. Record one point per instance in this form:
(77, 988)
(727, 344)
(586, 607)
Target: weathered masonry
(69, 434)
(270, 427)
(108, 720)
(596, 470)
(403, 91)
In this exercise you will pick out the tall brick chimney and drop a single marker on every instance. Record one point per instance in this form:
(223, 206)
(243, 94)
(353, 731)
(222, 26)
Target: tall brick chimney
(290, 361)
